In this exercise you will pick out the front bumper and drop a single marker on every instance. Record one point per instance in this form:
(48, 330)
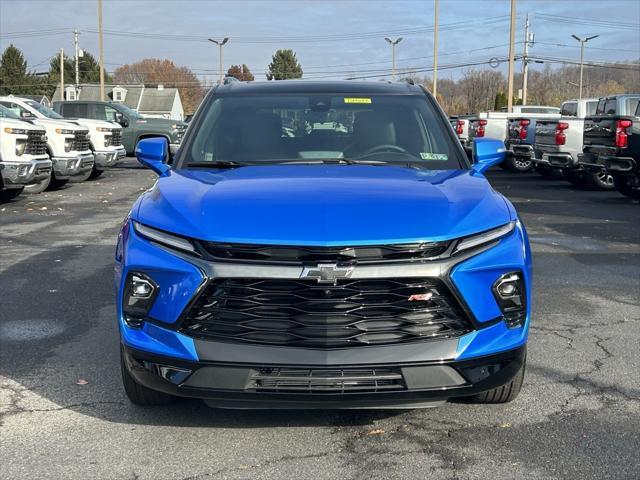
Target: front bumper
(19, 174)
(109, 158)
(66, 167)
(263, 385)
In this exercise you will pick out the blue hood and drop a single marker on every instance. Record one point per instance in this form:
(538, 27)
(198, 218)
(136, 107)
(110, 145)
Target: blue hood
(325, 205)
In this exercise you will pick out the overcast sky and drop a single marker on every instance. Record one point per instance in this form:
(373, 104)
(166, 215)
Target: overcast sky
(333, 39)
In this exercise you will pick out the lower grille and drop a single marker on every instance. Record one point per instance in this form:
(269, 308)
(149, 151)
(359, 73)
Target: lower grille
(81, 141)
(299, 380)
(304, 313)
(36, 142)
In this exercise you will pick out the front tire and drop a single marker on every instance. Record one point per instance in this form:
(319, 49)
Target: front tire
(628, 186)
(139, 394)
(95, 173)
(80, 178)
(505, 393)
(9, 194)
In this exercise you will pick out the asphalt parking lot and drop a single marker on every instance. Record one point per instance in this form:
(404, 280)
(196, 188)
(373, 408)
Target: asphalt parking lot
(63, 413)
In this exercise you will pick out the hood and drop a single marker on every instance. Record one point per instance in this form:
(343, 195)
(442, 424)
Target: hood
(91, 123)
(322, 205)
(55, 123)
(159, 121)
(15, 123)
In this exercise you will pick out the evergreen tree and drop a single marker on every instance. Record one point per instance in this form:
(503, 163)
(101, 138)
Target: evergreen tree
(284, 65)
(13, 72)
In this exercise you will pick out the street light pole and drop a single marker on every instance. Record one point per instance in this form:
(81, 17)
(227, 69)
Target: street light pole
(435, 50)
(512, 33)
(220, 44)
(393, 44)
(582, 42)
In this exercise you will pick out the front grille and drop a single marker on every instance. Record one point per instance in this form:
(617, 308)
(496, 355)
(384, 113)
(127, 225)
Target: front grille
(180, 129)
(275, 254)
(305, 313)
(81, 141)
(332, 381)
(36, 142)
(116, 137)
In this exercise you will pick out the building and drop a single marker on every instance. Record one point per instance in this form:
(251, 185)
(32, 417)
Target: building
(151, 101)
(41, 99)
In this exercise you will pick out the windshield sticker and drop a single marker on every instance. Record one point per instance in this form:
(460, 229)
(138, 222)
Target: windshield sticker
(442, 157)
(357, 100)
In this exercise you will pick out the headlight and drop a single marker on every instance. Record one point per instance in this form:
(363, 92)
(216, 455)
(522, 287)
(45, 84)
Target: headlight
(68, 144)
(15, 131)
(484, 237)
(21, 145)
(164, 238)
(102, 129)
(63, 131)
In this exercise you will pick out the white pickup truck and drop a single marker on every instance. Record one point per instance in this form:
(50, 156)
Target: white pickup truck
(23, 157)
(495, 124)
(559, 145)
(67, 143)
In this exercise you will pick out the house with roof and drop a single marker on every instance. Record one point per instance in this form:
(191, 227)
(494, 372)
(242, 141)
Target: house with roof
(41, 99)
(151, 101)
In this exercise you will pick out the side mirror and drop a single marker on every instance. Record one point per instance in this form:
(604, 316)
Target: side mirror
(487, 152)
(122, 120)
(26, 114)
(153, 153)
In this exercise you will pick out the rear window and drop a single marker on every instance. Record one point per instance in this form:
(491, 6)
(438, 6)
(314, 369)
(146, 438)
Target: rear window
(591, 108)
(290, 128)
(630, 105)
(569, 109)
(539, 110)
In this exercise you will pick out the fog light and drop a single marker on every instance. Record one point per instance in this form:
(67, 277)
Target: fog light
(511, 296)
(139, 294)
(23, 170)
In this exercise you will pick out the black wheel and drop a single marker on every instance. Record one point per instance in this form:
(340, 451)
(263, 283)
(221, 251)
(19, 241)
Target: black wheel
(80, 178)
(10, 194)
(506, 393)
(39, 187)
(548, 172)
(628, 186)
(95, 173)
(576, 178)
(139, 394)
(519, 164)
(56, 184)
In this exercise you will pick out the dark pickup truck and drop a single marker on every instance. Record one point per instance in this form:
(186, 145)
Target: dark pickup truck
(611, 142)
(135, 127)
(520, 141)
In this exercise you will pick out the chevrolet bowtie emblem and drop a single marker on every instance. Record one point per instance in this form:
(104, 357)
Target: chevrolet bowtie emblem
(327, 272)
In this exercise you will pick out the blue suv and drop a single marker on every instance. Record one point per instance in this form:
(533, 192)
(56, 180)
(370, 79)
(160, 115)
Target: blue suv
(322, 245)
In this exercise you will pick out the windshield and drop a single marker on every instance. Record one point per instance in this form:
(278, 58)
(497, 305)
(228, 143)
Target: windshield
(46, 111)
(6, 113)
(313, 128)
(127, 111)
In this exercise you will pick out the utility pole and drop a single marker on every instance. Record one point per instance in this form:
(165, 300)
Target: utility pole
(435, 50)
(528, 42)
(393, 44)
(582, 42)
(62, 75)
(220, 44)
(75, 44)
(101, 48)
(512, 33)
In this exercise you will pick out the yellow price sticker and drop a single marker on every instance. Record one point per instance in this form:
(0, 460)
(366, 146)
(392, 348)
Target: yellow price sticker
(357, 100)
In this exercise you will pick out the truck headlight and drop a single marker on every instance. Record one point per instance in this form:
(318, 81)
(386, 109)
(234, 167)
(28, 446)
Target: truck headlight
(68, 144)
(139, 294)
(64, 131)
(21, 145)
(16, 131)
(102, 129)
(509, 291)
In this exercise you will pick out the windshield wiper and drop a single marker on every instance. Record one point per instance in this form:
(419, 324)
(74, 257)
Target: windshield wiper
(216, 164)
(333, 161)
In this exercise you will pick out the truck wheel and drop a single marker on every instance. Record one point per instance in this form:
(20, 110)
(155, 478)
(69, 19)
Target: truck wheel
(10, 194)
(600, 181)
(506, 393)
(576, 178)
(56, 184)
(548, 172)
(139, 394)
(80, 178)
(39, 187)
(95, 173)
(518, 164)
(628, 186)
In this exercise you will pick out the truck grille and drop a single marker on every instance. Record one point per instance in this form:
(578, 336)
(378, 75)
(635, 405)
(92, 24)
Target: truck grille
(304, 313)
(180, 129)
(116, 137)
(275, 254)
(36, 142)
(303, 380)
(81, 141)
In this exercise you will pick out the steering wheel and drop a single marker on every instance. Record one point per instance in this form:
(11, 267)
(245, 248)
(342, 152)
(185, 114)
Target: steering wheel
(384, 148)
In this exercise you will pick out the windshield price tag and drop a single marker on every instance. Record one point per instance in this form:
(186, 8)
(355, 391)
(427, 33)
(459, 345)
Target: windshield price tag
(357, 100)
(443, 157)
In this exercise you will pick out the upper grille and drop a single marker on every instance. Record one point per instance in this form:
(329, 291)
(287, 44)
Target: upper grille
(36, 142)
(304, 313)
(116, 137)
(81, 141)
(180, 129)
(306, 380)
(296, 255)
